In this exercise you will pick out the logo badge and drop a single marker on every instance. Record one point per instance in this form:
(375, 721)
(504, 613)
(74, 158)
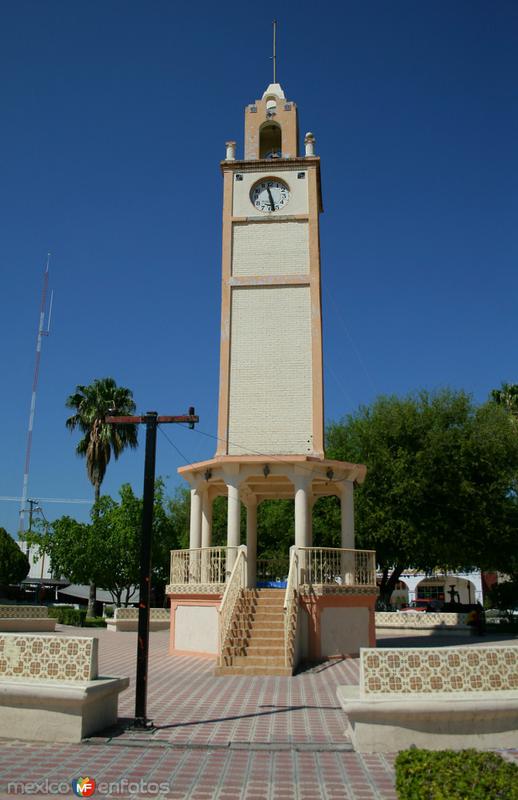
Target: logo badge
(83, 787)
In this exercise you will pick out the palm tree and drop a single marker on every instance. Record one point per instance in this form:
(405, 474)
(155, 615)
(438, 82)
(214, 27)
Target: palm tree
(507, 396)
(92, 403)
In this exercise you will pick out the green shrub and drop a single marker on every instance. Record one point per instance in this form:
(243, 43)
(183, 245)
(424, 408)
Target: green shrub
(455, 775)
(95, 622)
(68, 615)
(109, 611)
(56, 612)
(504, 626)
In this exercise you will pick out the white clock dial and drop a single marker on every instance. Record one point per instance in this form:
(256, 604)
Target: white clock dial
(269, 195)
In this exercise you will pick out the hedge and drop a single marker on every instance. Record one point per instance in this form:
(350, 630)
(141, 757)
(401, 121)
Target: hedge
(95, 622)
(455, 775)
(68, 616)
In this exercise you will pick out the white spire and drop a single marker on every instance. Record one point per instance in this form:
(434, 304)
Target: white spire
(274, 89)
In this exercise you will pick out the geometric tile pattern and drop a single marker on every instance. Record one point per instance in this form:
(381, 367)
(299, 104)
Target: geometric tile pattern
(393, 619)
(23, 612)
(211, 731)
(198, 588)
(439, 669)
(132, 613)
(326, 589)
(197, 774)
(55, 658)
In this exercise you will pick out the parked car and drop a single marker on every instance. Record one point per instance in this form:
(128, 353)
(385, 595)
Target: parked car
(423, 605)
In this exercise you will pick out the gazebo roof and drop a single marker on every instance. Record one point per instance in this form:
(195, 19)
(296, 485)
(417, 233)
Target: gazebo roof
(268, 477)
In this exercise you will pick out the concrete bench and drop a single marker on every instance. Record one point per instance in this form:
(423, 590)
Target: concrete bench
(50, 689)
(436, 698)
(126, 619)
(423, 623)
(26, 618)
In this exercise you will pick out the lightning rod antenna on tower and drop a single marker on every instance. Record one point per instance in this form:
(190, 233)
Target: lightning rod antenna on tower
(274, 51)
(42, 331)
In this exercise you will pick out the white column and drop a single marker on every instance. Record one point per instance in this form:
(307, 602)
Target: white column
(195, 521)
(251, 540)
(347, 514)
(233, 519)
(206, 535)
(347, 530)
(301, 484)
(311, 502)
(195, 537)
(206, 519)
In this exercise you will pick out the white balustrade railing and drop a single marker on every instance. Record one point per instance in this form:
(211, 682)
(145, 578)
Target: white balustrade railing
(291, 604)
(204, 565)
(320, 566)
(233, 592)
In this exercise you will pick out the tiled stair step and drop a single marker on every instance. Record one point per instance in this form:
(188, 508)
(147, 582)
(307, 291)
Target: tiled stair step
(262, 609)
(278, 600)
(266, 601)
(258, 650)
(267, 637)
(271, 613)
(260, 626)
(251, 637)
(233, 645)
(267, 631)
(266, 641)
(237, 642)
(247, 620)
(264, 592)
(275, 645)
(258, 661)
(240, 670)
(276, 620)
(265, 613)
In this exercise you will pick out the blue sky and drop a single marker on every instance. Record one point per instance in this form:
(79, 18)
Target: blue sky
(114, 120)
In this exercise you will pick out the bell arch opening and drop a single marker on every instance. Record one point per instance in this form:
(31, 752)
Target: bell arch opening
(270, 141)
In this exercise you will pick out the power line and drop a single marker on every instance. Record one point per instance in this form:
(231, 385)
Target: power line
(49, 500)
(269, 456)
(162, 431)
(349, 336)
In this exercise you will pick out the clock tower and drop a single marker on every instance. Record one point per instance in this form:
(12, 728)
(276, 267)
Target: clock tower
(271, 420)
(271, 394)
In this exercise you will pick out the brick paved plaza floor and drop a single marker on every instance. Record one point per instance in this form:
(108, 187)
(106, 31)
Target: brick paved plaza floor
(264, 738)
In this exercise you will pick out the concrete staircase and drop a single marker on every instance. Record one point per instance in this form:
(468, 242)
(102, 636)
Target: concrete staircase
(255, 644)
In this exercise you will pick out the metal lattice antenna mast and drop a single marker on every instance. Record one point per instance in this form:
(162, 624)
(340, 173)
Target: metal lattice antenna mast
(42, 331)
(275, 51)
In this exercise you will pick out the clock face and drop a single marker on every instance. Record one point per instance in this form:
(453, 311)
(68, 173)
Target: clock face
(269, 195)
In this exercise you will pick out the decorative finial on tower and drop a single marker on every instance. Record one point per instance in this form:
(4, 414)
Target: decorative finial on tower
(231, 151)
(274, 57)
(309, 142)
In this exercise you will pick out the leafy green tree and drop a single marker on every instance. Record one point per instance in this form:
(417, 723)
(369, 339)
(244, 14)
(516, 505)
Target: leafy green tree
(91, 404)
(504, 596)
(441, 487)
(14, 564)
(107, 550)
(170, 532)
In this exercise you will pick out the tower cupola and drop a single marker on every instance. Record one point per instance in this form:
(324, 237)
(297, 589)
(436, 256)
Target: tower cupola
(271, 126)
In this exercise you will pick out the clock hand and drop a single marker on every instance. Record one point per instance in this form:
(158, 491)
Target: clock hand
(272, 205)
